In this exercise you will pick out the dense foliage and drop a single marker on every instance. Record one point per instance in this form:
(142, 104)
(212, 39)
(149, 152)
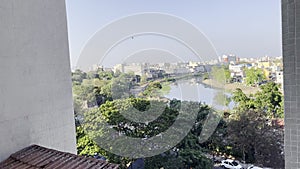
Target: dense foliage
(246, 132)
(256, 139)
(254, 76)
(268, 100)
(187, 153)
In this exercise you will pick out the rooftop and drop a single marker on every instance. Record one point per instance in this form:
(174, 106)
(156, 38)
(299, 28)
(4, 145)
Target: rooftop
(37, 157)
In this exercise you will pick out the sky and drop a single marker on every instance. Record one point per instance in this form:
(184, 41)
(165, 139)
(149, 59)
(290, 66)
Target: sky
(246, 28)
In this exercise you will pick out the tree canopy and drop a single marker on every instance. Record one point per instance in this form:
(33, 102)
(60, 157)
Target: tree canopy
(103, 97)
(268, 100)
(254, 76)
(253, 136)
(187, 153)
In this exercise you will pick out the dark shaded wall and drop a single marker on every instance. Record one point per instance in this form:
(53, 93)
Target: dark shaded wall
(291, 61)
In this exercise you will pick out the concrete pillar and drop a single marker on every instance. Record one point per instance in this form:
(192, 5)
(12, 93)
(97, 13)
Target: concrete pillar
(35, 77)
(291, 62)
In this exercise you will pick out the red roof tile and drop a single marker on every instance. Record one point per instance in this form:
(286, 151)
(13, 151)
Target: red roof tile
(37, 157)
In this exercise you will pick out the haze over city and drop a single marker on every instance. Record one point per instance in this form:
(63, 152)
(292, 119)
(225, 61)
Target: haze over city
(246, 29)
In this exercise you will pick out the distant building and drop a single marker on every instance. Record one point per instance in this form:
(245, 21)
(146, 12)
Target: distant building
(170, 69)
(193, 64)
(249, 60)
(264, 64)
(136, 68)
(196, 67)
(237, 72)
(275, 68)
(236, 68)
(182, 70)
(227, 59)
(268, 73)
(154, 73)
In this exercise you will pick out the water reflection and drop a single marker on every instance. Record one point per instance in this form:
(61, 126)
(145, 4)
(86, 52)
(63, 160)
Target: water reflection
(193, 90)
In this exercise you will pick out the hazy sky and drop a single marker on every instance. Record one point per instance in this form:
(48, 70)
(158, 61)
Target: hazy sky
(247, 28)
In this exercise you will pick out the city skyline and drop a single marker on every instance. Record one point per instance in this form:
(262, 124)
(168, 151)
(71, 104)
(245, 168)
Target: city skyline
(243, 28)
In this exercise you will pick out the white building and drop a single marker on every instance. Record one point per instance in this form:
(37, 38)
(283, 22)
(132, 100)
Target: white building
(196, 67)
(232, 59)
(236, 68)
(136, 68)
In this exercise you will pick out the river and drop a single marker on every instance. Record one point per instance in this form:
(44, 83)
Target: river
(193, 90)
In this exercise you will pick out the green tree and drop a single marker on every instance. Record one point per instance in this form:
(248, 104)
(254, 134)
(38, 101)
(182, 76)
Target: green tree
(78, 76)
(270, 100)
(120, 86)
(152, 89)
(250, 128)
(188, 152)
(92, 75)
(205, 76)
(256, 139)
(221, 74)
(254, 76)
(242, 101)
(106, 75)
(87, 95)
(85, 145)
(88, 147)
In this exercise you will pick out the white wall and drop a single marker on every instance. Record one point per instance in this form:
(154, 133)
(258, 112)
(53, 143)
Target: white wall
(35, 77)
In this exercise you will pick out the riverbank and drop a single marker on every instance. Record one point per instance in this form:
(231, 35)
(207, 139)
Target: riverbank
(231, 86)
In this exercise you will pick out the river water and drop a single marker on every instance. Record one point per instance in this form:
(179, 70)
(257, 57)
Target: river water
(194, 90)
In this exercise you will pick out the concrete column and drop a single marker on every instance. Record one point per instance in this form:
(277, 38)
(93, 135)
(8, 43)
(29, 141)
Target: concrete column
(35, 77)
(291, 62)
